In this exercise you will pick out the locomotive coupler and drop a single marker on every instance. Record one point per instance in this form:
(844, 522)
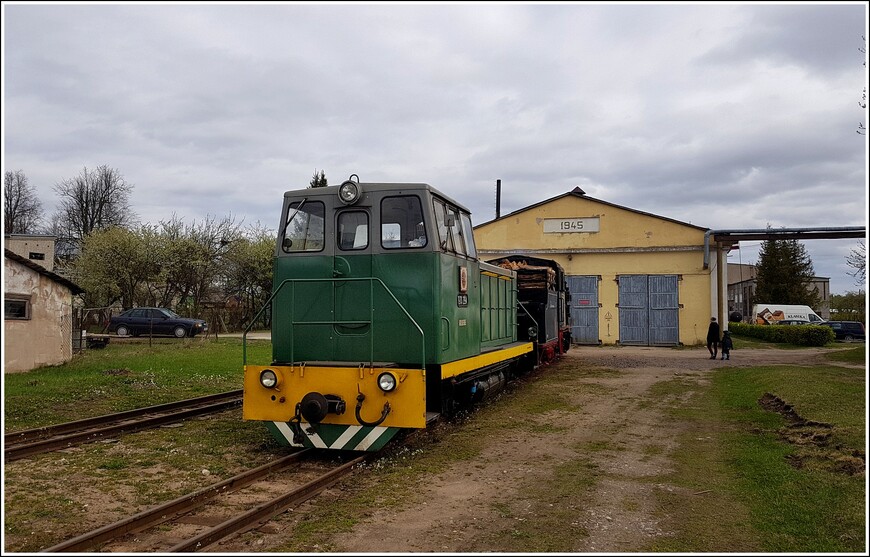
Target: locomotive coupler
(315, 406)
(359, 402)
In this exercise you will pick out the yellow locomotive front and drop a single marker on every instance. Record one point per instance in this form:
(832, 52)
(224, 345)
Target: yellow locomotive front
(342, 407)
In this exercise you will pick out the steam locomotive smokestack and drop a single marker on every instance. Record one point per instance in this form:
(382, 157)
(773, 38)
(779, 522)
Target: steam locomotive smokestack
(497, 198)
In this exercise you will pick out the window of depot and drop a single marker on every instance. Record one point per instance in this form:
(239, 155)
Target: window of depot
(16, 307)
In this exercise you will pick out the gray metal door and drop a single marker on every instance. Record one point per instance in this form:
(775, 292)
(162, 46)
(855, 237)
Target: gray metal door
(584, 309)
(664, 310)
(648, 310)
(633, 309)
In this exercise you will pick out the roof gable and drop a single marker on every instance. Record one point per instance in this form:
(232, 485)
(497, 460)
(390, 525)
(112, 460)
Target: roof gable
(579, 193)
(76, 289)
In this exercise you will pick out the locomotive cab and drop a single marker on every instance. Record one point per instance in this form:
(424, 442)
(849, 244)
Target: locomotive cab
(380, 308)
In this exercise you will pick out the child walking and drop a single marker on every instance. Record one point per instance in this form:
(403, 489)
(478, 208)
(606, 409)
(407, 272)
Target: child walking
(727, 344)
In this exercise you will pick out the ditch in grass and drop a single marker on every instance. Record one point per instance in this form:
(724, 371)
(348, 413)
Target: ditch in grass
(742, 465)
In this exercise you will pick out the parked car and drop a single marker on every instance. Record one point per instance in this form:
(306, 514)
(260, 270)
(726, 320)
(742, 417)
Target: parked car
(155, 321)
(847, 330)
(792, 322)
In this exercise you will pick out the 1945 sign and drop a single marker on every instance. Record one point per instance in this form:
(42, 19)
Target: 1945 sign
(565, 226)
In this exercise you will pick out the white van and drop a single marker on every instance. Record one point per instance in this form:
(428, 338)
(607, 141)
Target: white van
(769, 314)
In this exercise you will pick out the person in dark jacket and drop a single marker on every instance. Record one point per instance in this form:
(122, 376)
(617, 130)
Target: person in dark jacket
(727, 345)
(713, 338)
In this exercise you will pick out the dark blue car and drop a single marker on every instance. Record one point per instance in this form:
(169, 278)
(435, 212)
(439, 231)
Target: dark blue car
(847, 330)
(155, 321)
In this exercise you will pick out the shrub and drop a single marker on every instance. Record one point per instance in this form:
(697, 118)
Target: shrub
(801, 335)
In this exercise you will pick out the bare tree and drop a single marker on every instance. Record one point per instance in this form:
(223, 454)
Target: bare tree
(857, 259)
(93, 200)
(193, 258)
(22, 210)
(862, 129)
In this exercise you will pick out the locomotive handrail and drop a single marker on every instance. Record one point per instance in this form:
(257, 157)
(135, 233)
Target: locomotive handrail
(371, 281)
(537, 327)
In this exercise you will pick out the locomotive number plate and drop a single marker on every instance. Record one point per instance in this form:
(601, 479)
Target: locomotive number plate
(462, 300)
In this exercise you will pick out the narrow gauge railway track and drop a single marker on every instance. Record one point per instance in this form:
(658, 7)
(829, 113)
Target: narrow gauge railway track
(22, 444)
(183, 535)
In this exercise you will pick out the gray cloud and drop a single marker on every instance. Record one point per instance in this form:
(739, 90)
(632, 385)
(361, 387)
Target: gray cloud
(719, 115)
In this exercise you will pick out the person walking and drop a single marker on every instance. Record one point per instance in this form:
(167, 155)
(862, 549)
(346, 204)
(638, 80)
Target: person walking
(713, 338)
(727, 345)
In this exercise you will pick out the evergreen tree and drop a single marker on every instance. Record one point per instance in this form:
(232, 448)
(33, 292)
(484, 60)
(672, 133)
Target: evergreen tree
(318, 180)
(784, 274)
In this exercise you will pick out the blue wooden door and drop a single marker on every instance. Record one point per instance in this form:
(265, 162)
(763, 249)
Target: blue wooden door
(584, 309)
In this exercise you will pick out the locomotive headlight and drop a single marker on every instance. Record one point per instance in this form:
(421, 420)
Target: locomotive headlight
(349, 192)
(387, 382)
(268, 378)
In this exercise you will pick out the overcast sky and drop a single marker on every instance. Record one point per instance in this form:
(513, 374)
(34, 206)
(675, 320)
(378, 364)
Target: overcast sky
(720, 115)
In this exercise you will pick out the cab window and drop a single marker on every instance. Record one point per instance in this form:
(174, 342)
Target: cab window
(451, 234)
(444, 239)
(402, 224)
(304, 228)
(353, 230)
(468, 234)
(456, 231)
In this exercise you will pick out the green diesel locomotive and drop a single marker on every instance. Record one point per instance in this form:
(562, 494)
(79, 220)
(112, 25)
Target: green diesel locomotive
(383, 317)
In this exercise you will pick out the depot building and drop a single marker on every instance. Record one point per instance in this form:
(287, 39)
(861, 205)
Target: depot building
(635, 278)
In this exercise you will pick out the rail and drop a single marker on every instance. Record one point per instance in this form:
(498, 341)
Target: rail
(204, 502)
(21, 444)
(370, 322)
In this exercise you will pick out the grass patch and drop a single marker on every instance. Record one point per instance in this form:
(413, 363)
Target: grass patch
(125, 376)
(743, 342)
(857, 355)
(736, 465)
(114, 464)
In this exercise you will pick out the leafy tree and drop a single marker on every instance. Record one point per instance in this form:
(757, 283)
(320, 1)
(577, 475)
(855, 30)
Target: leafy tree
(784, 274)
(318, 180)
(93, 200)
(849, 306)
(22, 210)
(248, 275)
(115, 264)
(857, 259)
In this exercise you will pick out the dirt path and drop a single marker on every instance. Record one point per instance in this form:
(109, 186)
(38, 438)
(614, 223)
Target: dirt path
(632, 448)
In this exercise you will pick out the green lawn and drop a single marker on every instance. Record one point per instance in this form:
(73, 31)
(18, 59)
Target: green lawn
(802, 489)
(126, 375)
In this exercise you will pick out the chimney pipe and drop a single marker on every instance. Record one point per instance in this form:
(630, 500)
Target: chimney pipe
(497, 198)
